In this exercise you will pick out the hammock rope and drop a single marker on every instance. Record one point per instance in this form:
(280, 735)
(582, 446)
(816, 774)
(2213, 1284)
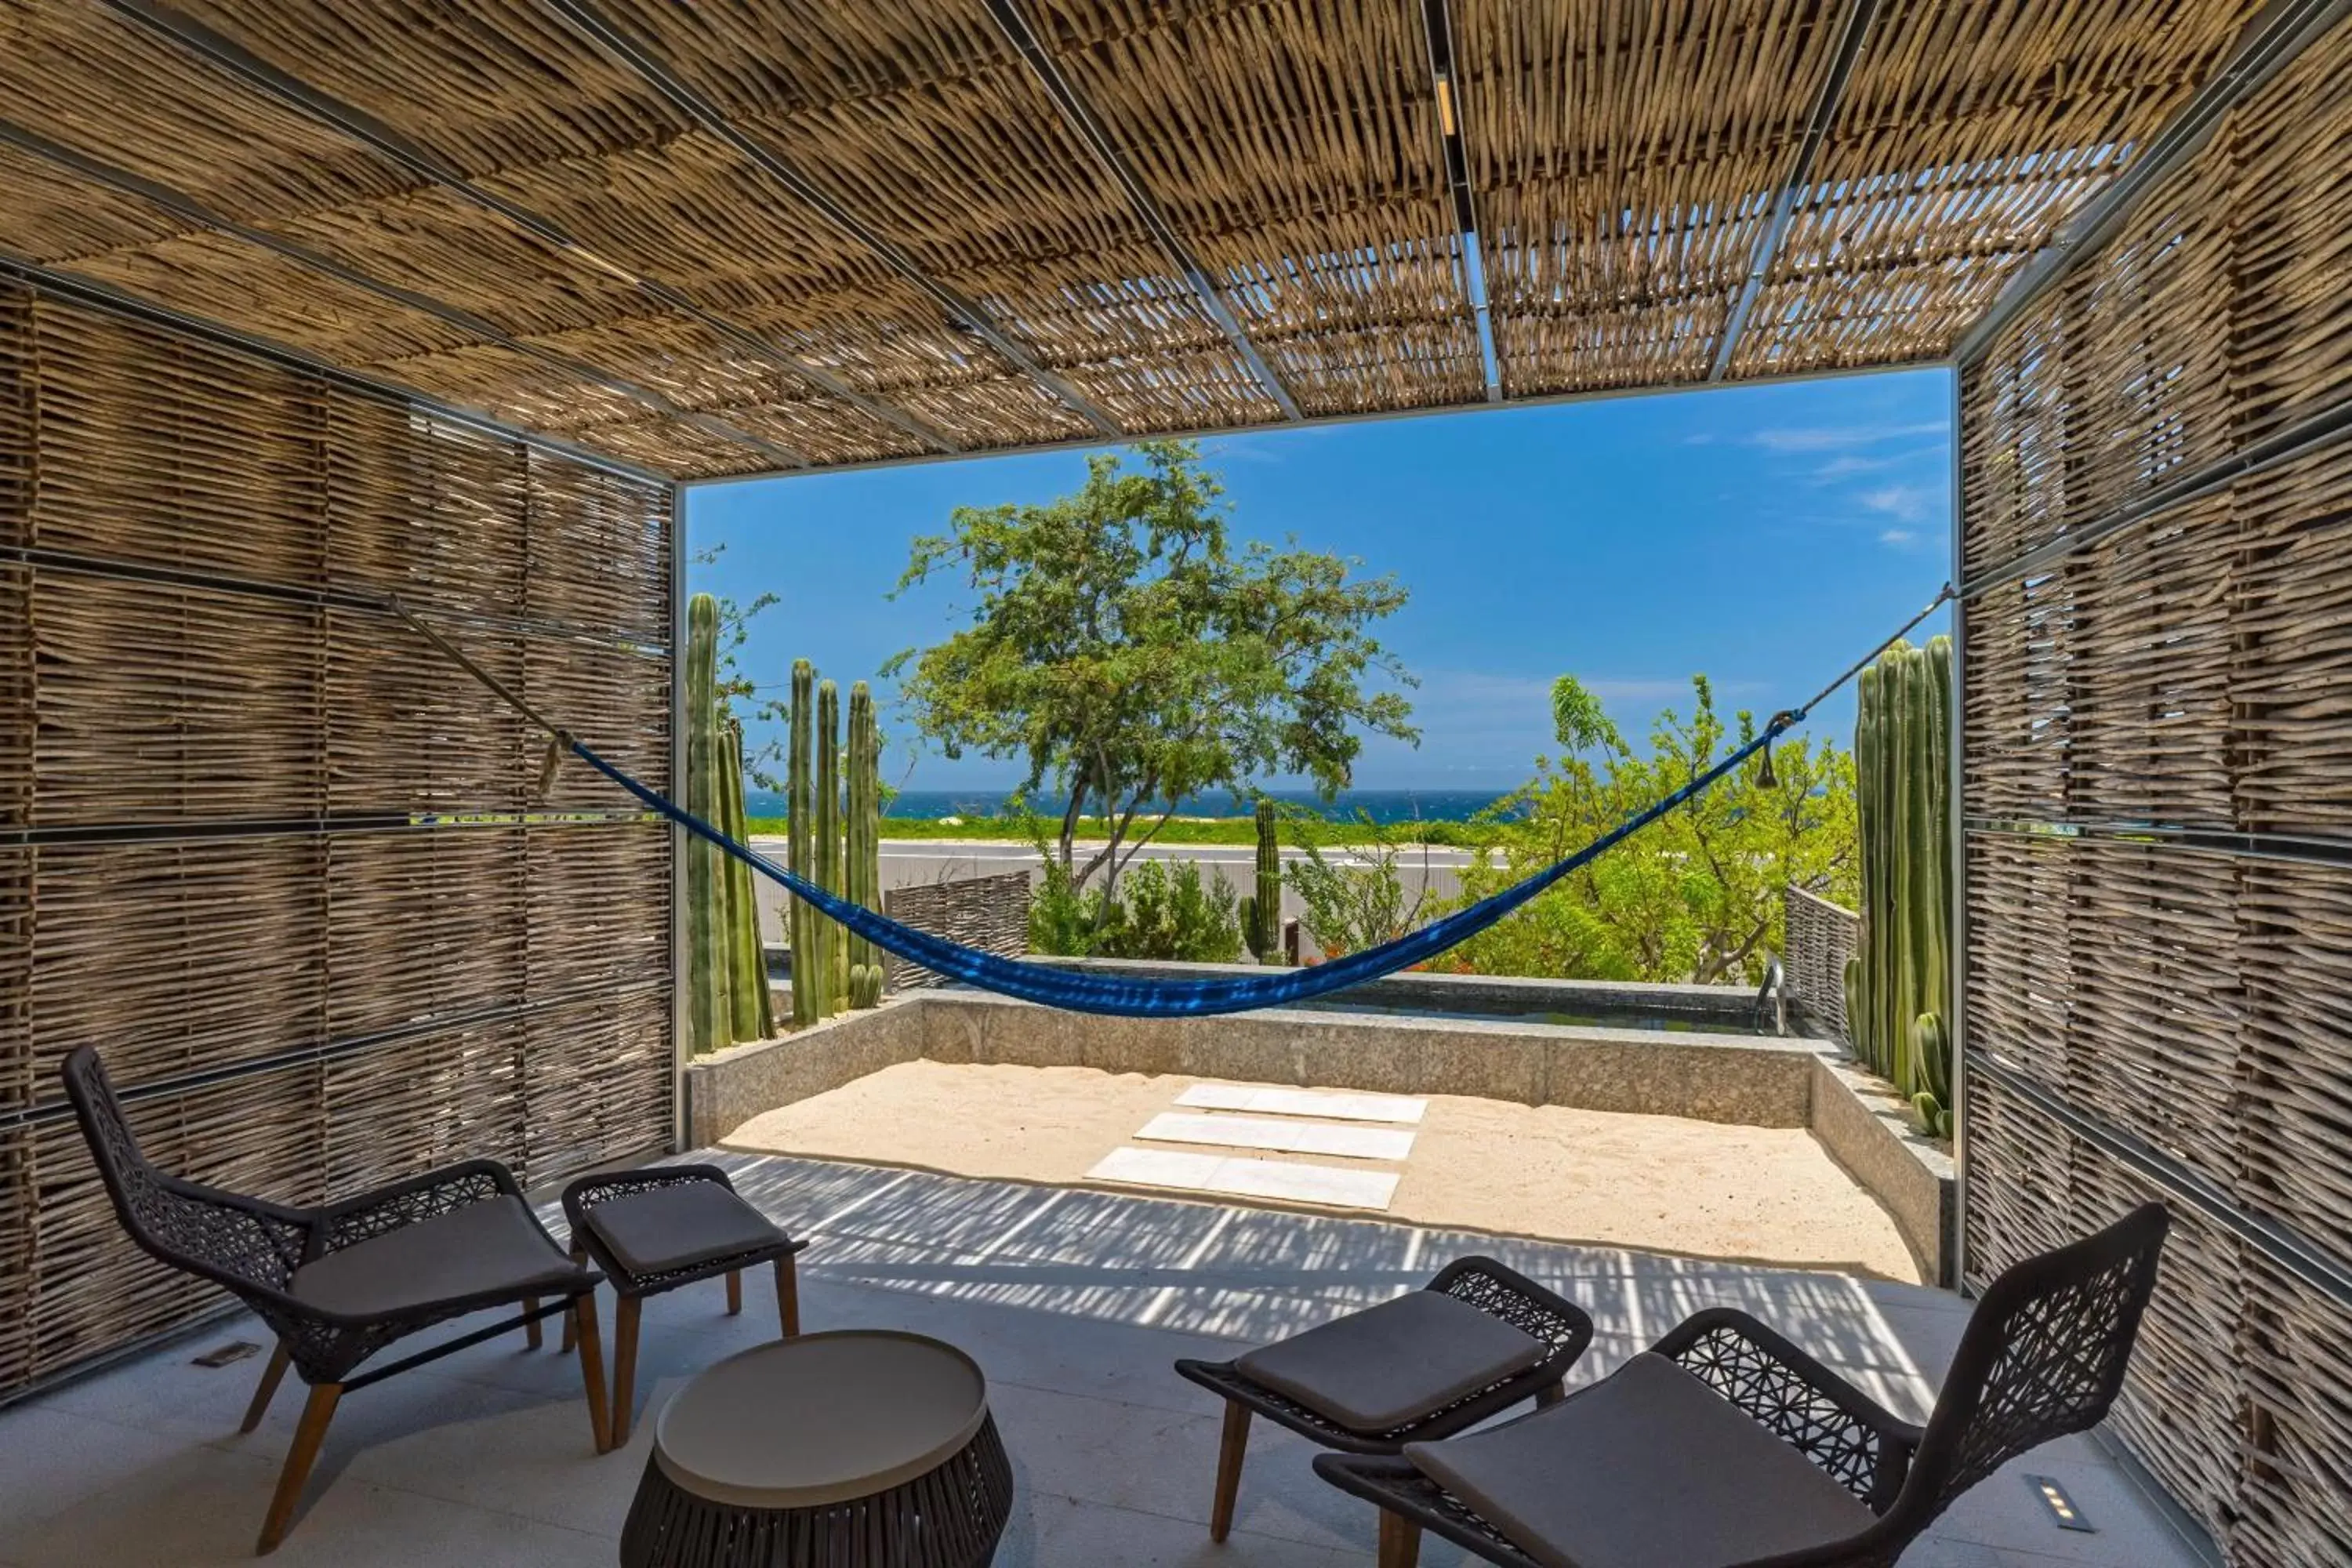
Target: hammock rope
(1084, 992)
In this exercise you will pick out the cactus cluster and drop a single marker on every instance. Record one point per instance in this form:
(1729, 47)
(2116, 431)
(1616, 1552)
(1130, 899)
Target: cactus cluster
(1899, 983)
(1261, 909)
(727, 977)
(834, 801)
(862, 840)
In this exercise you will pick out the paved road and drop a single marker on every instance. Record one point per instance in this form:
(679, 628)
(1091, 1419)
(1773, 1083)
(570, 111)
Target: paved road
(916, 862)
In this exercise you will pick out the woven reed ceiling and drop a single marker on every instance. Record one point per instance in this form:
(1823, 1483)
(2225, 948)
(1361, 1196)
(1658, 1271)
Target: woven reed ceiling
(746, 235)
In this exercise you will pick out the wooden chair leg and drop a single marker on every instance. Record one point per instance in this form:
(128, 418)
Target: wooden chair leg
(788, 1296)
(1400, 1541)
(531, 1335)
(267, 1390)
(1551, 1394)
(734, 1293)
(625, 1365)
(580, 1325)
(580, 1258)
(316, 1414)
(1229, 1469)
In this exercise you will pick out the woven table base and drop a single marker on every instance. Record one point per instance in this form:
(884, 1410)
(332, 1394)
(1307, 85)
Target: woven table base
(950, 1517)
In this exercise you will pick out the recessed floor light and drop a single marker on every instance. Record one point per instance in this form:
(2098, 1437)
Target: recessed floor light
(2062, 1507)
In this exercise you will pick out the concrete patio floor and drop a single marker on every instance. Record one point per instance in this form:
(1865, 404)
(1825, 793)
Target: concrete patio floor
(1073, 1302)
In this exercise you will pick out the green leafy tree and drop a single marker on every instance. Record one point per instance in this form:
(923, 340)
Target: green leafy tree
(1130, 655)
(1694, 897)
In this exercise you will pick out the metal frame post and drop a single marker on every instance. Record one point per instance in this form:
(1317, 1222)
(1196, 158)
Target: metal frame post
(1956, 1026)
(679, 1041)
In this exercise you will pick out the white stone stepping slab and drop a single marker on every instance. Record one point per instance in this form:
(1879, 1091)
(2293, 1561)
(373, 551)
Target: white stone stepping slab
(1272, 1132)
(1329, 1105)
(1232, 1177)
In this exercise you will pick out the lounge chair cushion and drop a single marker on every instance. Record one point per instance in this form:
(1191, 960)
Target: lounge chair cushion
(493, 1245)
(659, 1230)
(1374, 1371)
(1648, 1469)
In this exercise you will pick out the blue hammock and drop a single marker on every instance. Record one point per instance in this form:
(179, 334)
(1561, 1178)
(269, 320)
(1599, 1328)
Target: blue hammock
(1082, 992)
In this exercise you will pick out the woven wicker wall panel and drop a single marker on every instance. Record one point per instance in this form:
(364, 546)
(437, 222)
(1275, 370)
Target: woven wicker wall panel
(163, 450)
(599, 552)
(611, 886)
(423, 924)
(218, 693)
(2291, 683)
(2294, 1089)
(596, 1081)
(2103, 690)
(405, 733)
(171, 958)
(615, 701)
(391, 1112)
(2019, 969)
(17, 441)
(1951, 162)
(2118, 381)
(2299, 1394)
(2104, 954)
(256, 697)
(2034, 1187)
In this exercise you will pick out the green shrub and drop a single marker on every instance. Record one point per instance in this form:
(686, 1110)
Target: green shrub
(1161, 909)
(1172, 914)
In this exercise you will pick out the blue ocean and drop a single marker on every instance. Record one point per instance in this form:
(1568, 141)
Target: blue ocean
(1383, 804)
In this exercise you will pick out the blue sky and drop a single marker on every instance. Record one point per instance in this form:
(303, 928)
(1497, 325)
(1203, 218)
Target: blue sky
(1764, 535)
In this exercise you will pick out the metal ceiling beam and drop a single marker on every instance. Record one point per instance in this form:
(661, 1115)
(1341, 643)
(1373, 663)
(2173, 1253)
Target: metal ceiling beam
(1852, 32)
(1080, 116)
(593, 25)
(364, 128)
(1437, 29)
(195, 213)
(2267, 45)
(1378, 417)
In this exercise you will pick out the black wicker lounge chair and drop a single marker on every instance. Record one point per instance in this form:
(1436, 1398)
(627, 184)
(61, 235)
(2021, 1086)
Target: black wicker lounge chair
(1420, 1367)
(339, 1284)
(1726, 1447)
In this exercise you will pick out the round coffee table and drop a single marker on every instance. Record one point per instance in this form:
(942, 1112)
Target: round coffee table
(862, 1448)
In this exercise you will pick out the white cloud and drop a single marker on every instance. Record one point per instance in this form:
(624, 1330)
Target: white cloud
(1904, 503)
(1835, 438)
(1900, 538)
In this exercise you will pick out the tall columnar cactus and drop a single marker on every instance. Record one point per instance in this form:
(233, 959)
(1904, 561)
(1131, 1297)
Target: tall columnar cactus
(1261, 909)
(1898, 985)
(752, 1009)
(862, 841)
(831, 950)
(708, 1015)
(808, 975)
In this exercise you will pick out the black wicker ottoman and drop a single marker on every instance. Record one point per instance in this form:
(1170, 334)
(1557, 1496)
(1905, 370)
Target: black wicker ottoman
(860, 1448)
(655, 1229)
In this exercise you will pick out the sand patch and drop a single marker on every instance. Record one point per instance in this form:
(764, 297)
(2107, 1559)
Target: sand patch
(1663, 1183)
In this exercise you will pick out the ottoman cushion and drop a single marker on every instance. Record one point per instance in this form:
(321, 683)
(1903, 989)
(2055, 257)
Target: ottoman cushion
(662, 1229)
(1374, 1371)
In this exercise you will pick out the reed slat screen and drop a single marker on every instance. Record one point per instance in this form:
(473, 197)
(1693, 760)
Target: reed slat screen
(1097, 218)
(2193, 671)
(212, 765)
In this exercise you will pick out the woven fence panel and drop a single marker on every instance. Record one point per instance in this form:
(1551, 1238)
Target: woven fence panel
(2158, 733)
(991, 913)
(290, 871)
(1820, 937)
